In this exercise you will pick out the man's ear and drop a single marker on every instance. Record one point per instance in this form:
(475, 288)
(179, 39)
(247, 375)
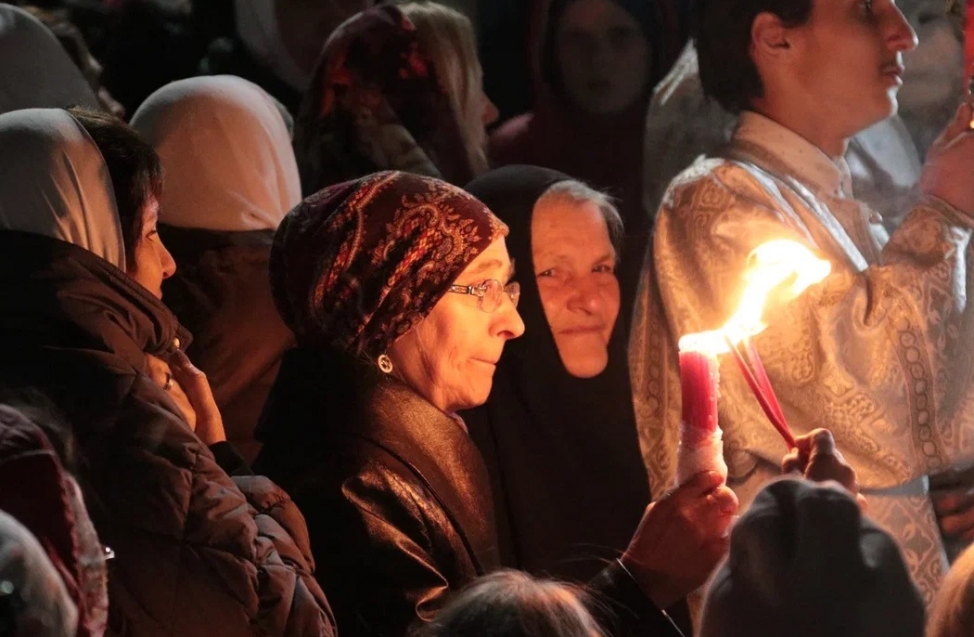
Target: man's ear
(769, 37)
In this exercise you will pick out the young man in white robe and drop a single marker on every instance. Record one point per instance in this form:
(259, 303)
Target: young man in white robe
(880, 352)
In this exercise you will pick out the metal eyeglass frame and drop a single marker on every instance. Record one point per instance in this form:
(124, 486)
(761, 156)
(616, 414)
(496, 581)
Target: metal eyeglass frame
(512, 290)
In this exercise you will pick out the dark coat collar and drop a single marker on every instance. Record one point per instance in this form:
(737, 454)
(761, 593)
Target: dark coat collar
(58, 295)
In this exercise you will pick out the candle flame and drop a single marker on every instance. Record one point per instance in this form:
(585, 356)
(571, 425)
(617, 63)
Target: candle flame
(785, 266)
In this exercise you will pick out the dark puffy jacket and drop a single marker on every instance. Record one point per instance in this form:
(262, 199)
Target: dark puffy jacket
(197, 553)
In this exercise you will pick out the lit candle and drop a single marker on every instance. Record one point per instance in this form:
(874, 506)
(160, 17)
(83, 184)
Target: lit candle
(701, 445)
(779, 266)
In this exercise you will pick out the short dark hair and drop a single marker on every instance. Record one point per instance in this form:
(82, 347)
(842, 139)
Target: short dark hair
(722, 34)
(513, 604)
(133, 165)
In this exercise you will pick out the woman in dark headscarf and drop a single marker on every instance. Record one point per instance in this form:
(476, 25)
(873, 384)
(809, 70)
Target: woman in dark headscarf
(600, 61)
(396, 88)
(558, 433)
(558, 428)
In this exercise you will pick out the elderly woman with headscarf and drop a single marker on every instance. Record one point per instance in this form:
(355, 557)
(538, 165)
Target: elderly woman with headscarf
(195, 550)
(36, 71)
(396, 88)
(399, 290)
(224, 144)
(560, 411)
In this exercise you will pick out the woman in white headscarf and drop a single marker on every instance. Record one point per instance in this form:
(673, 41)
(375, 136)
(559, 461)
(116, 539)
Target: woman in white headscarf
(35, 70)
(226, 151)
(196, 551)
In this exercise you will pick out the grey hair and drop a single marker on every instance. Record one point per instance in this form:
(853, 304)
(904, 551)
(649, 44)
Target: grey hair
(578, 192)
(510, 603)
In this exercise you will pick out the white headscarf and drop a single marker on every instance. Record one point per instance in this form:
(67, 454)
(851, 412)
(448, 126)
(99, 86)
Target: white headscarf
(54, 182)
(226, 153)
(35, 70)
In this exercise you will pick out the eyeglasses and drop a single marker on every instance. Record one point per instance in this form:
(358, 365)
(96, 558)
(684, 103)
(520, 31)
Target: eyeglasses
(490, 293)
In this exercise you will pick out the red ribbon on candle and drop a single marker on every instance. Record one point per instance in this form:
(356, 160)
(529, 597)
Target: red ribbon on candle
(757, 379)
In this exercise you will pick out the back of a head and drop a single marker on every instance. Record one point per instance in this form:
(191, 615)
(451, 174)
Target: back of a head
(952, 613)
(722, 34)
(224, 142)
(804, 562)
(447, 37)
(514, 604)
(36, 71)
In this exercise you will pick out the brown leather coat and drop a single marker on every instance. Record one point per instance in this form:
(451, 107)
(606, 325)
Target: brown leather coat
(397, 499)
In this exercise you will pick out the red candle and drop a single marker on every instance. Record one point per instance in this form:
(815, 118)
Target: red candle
(701, 445)
(699, 377)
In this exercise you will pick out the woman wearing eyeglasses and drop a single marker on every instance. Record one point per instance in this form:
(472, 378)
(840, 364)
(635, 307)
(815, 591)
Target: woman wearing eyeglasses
(399, 290)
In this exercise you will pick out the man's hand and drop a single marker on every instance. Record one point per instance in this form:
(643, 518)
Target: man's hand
(681, 539)
(953, 500)
(817, 459)
(947, 171)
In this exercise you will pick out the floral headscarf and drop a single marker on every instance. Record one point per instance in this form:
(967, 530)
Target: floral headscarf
(377, 103)
(361, 263)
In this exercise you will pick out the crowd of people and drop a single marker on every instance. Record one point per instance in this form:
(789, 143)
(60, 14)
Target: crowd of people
(337, 318)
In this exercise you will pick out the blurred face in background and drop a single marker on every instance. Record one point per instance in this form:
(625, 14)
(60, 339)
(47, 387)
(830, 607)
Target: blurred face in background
(603, 56)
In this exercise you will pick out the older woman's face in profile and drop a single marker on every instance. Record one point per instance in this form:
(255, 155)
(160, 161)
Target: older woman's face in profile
(451, 356)
(574, 263)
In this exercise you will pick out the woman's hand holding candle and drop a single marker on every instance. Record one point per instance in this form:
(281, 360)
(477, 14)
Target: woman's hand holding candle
(681, 539)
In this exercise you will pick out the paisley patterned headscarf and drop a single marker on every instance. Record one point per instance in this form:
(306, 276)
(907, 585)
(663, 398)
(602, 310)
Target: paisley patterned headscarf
(361, 263)
(377, 103)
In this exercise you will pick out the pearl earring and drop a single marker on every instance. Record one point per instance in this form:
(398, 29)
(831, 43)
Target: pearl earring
(385, 364)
